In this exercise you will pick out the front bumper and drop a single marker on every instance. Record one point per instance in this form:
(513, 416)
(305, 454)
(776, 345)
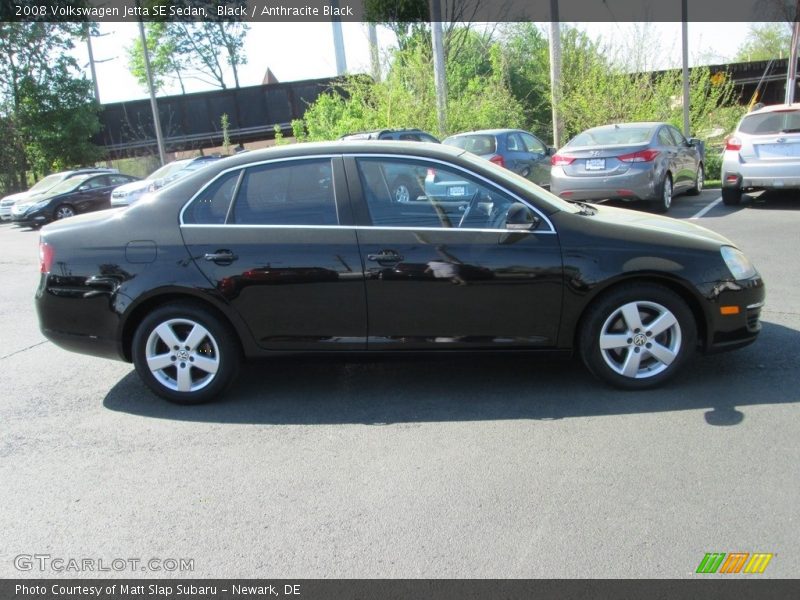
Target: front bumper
(731, 331)
(38, 217)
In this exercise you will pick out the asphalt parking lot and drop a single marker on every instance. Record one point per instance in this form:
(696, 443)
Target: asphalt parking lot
(472, 467)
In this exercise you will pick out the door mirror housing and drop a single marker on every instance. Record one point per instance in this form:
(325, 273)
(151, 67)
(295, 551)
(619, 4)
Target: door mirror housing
(83, 188)
(521, 218)
(551, 150)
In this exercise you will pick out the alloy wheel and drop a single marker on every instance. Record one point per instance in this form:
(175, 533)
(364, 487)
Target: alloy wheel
(64, 212)
(640, 339)
(182, 355)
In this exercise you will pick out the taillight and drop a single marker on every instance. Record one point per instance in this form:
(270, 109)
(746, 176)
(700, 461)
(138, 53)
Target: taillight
(498, 160)
(734, 144)
(557, 160)
(46, 256)
(641, 156)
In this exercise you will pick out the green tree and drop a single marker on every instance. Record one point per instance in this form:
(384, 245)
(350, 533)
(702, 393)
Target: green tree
(765, 41)
(165, 62)
(46, 105)
(208, 46)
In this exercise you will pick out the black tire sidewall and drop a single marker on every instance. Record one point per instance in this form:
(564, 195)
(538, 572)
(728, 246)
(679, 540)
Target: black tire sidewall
(226, 342)
(731, 196)
(605, 304)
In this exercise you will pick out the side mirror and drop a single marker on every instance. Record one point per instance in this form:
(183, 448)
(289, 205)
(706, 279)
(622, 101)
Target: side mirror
(521, 218)
(83, 188)
(551, 150)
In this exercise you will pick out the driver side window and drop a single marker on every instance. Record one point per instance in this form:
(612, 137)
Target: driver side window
(418, 194)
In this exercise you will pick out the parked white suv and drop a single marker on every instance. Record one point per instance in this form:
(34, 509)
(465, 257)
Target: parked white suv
(763, 153)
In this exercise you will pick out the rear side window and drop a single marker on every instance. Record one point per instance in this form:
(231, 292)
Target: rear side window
(477, 144)
(211, 206)
(665, 138)
(784, 121)
(287, 193)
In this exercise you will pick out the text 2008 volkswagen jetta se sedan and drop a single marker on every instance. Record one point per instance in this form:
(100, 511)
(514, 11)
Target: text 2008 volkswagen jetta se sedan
(305, 249)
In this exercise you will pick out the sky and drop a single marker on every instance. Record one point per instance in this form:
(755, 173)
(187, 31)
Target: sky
(295, 51)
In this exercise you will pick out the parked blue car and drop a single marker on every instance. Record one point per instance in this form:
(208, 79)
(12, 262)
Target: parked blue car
(517, 150)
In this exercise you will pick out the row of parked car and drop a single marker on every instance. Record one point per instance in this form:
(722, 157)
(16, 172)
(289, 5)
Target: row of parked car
(630, 161)
(65, 194)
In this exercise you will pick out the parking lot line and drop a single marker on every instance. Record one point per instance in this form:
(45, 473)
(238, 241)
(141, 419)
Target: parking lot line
(703, 211)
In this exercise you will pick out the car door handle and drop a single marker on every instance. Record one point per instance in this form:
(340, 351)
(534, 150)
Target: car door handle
(221, 257)
(385, 256)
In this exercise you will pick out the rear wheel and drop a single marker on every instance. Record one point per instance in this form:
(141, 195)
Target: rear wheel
(63, 211)
(699, 181)
(665, 198)
(185, 354)
(404, 190)
(732, 196)
(637, 336)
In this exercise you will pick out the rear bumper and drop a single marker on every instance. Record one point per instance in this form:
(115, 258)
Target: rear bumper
(631, 185)
(759, 174)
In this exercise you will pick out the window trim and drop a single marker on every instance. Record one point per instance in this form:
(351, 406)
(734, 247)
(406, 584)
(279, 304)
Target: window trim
(539, 213)
(242, 169)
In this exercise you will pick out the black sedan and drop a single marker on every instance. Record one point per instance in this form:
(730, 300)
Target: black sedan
(304, 249)
(79, 194)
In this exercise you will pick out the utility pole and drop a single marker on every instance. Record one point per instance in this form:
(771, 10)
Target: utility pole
(685, 36)
(153, 105)
(338, 41)
(374, 58)
(439, 78)
(555, 71)
(88, 29)
(791, 71)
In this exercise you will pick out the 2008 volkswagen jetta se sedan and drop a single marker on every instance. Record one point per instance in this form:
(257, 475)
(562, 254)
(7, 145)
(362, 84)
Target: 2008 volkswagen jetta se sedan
(304, 249)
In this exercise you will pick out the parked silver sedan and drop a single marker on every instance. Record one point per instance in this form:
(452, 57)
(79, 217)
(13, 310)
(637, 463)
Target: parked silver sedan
(763, 153)
(628, 161)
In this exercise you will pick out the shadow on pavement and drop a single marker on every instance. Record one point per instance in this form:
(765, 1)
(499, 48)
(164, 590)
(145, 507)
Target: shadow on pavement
(312, 391)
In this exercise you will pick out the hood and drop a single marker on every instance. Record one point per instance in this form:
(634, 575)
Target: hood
(649, 225)
(18, 196)
(133, 186)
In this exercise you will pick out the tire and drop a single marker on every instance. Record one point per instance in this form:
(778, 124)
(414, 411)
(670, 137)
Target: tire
(63, 211)
(665, 195)
(614, 351)
(525, 172)
(699, 181)
(209, 365)
(731, 196)
(404, 190)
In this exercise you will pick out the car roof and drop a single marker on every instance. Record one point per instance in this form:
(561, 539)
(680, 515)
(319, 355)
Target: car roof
(366, 134)
(489, 132)
(774, 108)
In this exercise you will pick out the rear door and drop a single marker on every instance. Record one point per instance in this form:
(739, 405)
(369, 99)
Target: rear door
(539, 158)
(445, 272)
(687, 159)
(276, 241)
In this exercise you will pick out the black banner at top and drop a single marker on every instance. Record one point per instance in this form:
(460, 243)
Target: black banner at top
(399, 10)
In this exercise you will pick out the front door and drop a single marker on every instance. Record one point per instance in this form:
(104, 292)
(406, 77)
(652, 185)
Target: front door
(276, 240)
(444, 271)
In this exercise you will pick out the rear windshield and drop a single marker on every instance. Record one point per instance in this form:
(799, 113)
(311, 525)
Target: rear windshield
(780, 121)
(477, 144)
(610, 137)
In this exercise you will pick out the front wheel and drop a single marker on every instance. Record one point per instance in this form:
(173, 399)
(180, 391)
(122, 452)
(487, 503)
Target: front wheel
(637, 336)
(185, 354)
(404, 190)
(63, 211)
(699, 181)
(665, 197)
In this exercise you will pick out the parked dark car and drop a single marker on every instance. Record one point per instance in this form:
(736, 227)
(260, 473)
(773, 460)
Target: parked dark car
(78, 194)
(302, 248)
(629, 161)
(517, 150)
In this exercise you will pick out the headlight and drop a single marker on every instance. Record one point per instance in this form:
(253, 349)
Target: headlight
(738, 264)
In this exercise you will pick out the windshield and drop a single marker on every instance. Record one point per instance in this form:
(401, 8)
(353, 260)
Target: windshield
(611, 137)
(68, 185)
(501, 173)
(167, 169)
(477, 144)
(46, 183)
(779, 121)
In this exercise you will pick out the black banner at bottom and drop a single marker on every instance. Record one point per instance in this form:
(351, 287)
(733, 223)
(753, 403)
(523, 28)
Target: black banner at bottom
(397, 589)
